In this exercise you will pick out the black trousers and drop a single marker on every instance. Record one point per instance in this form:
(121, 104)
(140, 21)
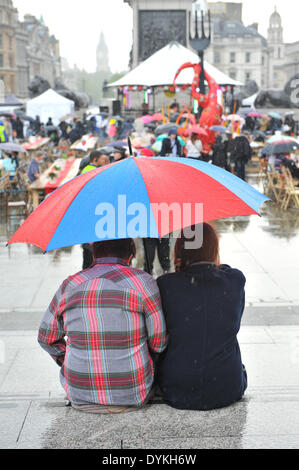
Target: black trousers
(162, 245)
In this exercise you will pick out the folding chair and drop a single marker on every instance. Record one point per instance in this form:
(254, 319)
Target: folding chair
(291, 192)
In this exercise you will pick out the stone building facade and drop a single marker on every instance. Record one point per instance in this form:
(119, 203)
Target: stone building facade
(37, 53)
(239, 51)
(8, 65)
(26, 49)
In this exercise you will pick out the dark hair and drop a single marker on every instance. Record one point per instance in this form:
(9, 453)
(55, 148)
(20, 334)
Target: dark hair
(114, 249)
(209, 252)
(94, 155)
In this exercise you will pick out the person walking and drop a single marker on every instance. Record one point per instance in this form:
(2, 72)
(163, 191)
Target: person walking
(219, 157)
(241, 154)
(203, 303)
(102, 328)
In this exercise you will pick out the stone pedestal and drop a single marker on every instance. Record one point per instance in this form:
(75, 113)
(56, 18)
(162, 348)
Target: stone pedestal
(156, 24)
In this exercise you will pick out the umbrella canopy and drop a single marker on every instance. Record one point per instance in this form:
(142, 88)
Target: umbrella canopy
(279, 148)
(165, 128)
(235, 117)
(157, 117)
(255, 114)
(221, 129)
(161, 137)
(279, 138)
(9, 147)
(197, 130)
(274, 115)
(147, 119)
(103, 204)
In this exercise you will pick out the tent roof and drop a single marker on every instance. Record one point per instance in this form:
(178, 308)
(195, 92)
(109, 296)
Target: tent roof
(51, 97)
(161, 67)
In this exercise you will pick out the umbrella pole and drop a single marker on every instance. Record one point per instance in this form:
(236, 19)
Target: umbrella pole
(146, 258)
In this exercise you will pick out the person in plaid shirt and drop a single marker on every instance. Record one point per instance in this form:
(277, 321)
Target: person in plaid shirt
(100, 328)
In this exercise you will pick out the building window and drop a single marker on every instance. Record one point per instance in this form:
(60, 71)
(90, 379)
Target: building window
(11, 63)
(10, 44)
(12, 84)
(1, 41)
(248, 76)
(232, 57)
(248, 57)
(263, 60)
(233, 74)
(1, 60)
(217, 57)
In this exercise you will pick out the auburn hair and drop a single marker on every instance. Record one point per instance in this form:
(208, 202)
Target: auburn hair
(209, 251)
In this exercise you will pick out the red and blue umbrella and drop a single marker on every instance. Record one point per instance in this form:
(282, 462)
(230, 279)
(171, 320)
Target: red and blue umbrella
(70, 215)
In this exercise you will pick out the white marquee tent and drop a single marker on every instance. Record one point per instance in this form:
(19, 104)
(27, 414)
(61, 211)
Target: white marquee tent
(50, 104)
(161, 67)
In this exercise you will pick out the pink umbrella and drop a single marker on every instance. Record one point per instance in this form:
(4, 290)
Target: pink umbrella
(147, 119)
(157, 117)
(197, 130)
(255, 114)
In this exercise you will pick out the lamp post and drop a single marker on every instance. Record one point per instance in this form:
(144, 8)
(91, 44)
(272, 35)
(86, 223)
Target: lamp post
(201, 41)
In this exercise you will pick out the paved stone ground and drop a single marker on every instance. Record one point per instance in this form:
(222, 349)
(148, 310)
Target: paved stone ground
(33, 414)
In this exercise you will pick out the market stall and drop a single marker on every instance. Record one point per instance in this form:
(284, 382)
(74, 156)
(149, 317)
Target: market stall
(60, 172)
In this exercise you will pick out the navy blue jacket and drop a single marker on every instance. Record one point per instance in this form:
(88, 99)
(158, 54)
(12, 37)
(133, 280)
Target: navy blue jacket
(202, 368)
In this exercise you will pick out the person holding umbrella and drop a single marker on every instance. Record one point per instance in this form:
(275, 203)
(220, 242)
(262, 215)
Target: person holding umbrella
(241, 154)
(113, 318)
(171, 146)
(203, 303)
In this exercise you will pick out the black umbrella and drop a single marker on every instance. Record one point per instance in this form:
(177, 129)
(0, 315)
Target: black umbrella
(51, 129)
(150, 126)
(7, 115)
(280, 148)
(165, 128)
(259, 136)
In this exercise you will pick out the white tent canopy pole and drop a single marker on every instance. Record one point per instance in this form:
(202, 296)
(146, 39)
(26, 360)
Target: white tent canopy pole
(161, 68)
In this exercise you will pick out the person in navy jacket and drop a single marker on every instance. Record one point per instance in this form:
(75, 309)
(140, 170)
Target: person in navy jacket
(203, 303)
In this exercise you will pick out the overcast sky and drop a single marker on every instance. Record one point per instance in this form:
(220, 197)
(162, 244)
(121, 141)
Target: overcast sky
(78, 24)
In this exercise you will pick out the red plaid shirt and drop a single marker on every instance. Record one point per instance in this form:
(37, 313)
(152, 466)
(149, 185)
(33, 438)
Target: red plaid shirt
(99, 328)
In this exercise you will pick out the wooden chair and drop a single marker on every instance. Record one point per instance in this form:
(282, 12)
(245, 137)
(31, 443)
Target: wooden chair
(291, 192)
(276, 185)
(16, 193)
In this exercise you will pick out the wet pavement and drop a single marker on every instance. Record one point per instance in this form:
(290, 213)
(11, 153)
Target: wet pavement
(31, 398)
